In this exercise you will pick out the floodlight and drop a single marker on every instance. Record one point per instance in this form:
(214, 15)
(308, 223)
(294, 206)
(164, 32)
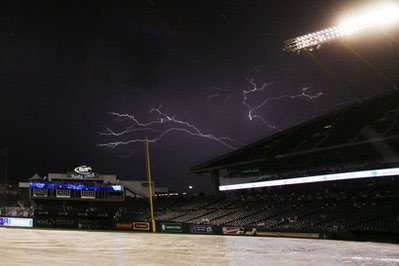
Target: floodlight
(378, 16)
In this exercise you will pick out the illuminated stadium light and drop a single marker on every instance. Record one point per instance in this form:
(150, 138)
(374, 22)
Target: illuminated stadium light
(314, 179)
(377, 16)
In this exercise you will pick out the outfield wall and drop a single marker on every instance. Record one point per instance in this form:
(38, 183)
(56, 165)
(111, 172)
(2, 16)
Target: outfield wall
(76, 223)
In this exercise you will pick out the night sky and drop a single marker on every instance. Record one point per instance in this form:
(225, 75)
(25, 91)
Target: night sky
(65, 66)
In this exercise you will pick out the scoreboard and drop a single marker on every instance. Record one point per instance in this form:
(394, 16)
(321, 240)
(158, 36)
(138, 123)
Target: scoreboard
(80, 184)
(77, 191)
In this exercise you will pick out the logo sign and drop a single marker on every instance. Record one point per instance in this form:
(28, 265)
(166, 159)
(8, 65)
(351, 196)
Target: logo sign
(232, 230)
(142, 226)
(173, 228)
(201, 229)
(82, 171)
(124, 226)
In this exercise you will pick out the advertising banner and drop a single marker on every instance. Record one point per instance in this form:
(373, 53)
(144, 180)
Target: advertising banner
(232, 230)
(141, 226)
(16, 222)
(201, 229)
(172, 227)
(124, 226)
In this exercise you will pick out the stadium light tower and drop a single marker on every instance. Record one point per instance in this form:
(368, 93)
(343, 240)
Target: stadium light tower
(376, 16)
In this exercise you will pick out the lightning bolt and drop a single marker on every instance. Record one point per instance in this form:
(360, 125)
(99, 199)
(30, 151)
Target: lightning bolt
(219, 92)
(163, 125)
(304, 93)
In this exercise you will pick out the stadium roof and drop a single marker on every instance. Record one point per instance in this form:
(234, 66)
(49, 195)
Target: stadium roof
(360, 132)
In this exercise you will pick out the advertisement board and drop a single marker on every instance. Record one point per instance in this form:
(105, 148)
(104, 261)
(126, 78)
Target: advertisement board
(124, 226)
(201, 229)
(141, 226)
(232, 230)
(16, 222)
(171, 227)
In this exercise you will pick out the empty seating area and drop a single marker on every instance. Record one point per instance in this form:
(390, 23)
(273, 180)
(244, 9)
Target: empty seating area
(348, 206)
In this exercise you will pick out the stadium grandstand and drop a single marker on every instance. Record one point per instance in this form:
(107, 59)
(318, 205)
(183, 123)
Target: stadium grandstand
(349, 210)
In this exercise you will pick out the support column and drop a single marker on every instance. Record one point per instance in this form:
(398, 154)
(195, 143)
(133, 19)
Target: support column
(215, 182)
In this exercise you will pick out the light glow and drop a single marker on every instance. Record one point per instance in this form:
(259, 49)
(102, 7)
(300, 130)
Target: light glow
(314, 179)
(377, 16)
